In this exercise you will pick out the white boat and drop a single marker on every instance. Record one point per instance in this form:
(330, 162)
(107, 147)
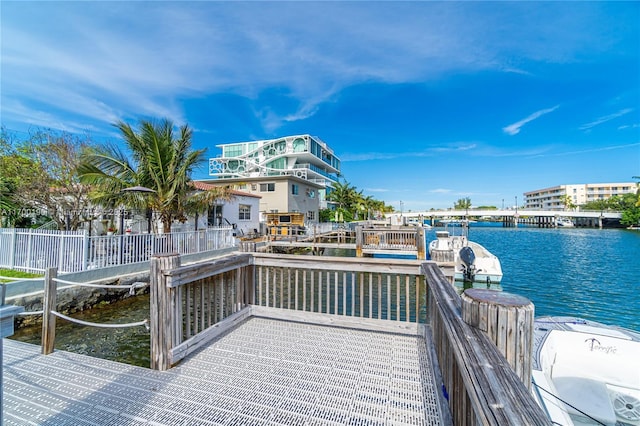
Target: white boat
(586, 373)
(564, 222)
(472, 262)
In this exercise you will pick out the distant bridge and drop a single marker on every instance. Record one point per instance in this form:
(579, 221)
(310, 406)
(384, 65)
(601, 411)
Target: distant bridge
(508, 213)
(511, 217)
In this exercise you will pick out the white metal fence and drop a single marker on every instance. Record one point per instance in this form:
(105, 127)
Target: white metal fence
(35, 250)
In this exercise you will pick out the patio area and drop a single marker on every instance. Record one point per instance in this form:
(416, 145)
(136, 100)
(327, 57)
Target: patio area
(262, 372)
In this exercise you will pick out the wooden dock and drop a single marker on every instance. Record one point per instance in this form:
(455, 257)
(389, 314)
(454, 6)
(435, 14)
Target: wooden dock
(256, 338)
(264, 371)
(367, 241)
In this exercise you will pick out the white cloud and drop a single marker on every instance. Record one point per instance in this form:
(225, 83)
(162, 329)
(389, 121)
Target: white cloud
(585, 151)
(629, 126)
(606, 118)
(429, 152)
(136, 58)
(514, 129)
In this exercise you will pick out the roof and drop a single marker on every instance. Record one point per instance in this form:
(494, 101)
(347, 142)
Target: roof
(204, 186)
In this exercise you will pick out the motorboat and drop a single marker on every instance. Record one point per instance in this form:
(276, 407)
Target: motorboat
(473, 263)
(564, 222)
(585, 372)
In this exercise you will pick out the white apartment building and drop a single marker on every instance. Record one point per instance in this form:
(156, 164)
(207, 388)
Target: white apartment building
(552, 198)
(291, 174)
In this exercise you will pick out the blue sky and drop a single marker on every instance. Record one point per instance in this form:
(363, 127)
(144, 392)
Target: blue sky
(424, 102)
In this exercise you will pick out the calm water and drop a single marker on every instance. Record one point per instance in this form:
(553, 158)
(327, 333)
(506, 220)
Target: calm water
(590, 273)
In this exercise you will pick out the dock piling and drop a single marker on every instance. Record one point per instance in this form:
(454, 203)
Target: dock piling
(507, 319)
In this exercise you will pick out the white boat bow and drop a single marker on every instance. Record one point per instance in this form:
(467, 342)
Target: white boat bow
(586, 373)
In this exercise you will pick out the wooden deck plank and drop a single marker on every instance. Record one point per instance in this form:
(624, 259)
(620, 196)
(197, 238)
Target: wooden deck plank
(264, 371)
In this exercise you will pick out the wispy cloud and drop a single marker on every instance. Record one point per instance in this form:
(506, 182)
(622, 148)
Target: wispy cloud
(514, 129)
(123, 61)
(586, 151)
(629, 126)
(606, 118)
(430, 152)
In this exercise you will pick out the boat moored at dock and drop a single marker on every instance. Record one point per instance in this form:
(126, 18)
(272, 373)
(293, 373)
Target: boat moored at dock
(564, 222)
(585, 372)
(473, 263)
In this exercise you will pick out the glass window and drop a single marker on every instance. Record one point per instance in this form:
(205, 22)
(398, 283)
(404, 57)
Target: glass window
(311, 215)
(244, 212)
(267, 187)
(294, 189)
(232, 150)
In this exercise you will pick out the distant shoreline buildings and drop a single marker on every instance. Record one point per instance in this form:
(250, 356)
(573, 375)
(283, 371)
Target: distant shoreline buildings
(553, 198)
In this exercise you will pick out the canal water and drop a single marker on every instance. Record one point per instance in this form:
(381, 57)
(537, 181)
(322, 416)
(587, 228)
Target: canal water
(589, 273)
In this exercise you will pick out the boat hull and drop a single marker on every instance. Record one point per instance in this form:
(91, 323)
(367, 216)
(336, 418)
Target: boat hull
(473, 263)
(585, 372)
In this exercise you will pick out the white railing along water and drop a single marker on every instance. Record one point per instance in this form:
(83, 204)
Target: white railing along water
(35, 250)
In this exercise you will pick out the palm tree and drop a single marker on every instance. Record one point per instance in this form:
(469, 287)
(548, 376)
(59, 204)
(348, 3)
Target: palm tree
(346, 197)
(160, 162)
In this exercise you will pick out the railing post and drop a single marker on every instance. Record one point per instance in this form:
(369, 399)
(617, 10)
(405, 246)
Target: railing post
(162, 319)
(421, 243)
(358, 241)
(49, 304)
(507, 319)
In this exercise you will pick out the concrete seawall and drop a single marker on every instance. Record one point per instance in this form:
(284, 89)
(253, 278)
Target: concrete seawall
(71, 298)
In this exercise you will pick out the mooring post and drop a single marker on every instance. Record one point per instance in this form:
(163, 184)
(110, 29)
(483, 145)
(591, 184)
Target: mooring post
(507, 319)
(49, 304)
(358, 241)
(421, 243)
(161, 316)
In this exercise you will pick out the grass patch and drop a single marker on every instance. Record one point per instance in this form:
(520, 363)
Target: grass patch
(10, 273)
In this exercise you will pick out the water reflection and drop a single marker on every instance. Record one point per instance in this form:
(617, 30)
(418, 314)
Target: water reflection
(129, 345)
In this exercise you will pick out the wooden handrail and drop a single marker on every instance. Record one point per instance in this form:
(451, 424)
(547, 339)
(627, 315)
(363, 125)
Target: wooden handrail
(480, 385)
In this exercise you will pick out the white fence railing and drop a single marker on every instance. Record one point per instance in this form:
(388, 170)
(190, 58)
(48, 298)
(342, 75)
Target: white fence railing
(35, 250)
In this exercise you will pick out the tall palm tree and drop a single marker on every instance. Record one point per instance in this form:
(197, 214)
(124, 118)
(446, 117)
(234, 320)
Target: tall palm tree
(160, 162)
(346, 196)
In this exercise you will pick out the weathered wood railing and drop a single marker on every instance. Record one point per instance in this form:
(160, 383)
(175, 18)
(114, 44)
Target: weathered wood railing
(481, 386)
(392, 239)
(197, 302)
(191, 304)
(344, 288)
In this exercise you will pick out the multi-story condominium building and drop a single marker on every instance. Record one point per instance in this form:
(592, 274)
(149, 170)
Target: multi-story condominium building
(553, 198)
(291, 174)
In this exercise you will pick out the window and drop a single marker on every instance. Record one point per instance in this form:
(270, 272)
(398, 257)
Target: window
(232, 150)
(254, 187)
(294, 189)
(244, 212)
(267, 187)
(311, 215)
(311, 193)
(214, 216)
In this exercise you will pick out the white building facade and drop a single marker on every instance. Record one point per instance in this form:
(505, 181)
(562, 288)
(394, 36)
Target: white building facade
(553, 198)
(242, 212)
(291, 174)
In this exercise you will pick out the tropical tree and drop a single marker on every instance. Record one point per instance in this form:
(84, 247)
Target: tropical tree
(567, 202)
(462, 203)
(159, 164)
(346, 197)
(39, 174)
